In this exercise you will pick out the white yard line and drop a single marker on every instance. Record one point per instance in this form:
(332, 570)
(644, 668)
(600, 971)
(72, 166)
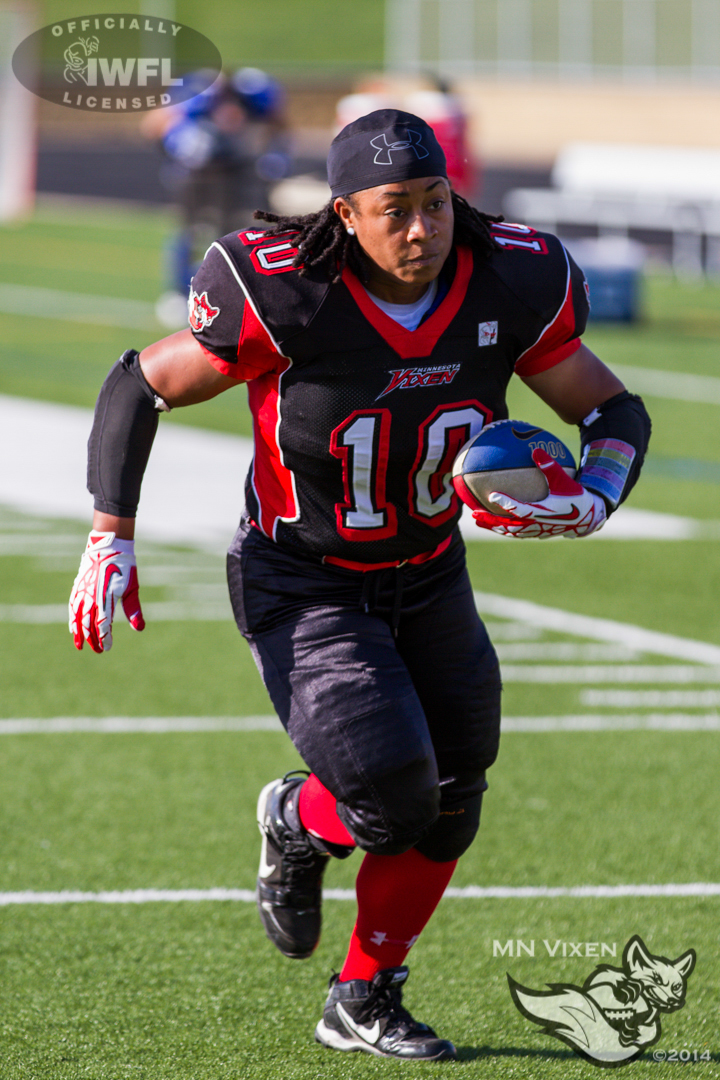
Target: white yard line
(704, 389)
(468, 892)
(608, 673)
(605, 722)
(652, 699)
(561, 650)
(127, 896)
(111, 725)
(193, 487)
(192, 491)
(565, 622)
(77, 307)
(154, 611)
(476, 892)
(121, 725)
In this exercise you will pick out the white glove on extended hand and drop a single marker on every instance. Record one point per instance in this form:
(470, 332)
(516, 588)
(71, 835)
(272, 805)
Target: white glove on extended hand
(107, 574)
(569, 509)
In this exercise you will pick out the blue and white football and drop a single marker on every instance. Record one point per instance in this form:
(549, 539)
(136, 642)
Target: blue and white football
(499, 458)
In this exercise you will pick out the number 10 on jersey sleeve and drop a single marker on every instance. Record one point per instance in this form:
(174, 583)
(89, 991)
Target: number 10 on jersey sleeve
(362, 443)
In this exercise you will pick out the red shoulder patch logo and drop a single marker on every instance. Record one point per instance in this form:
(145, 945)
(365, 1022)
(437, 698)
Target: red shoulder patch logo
(201, 313)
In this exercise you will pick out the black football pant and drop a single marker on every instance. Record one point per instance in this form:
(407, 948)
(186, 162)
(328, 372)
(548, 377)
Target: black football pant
(386, 682)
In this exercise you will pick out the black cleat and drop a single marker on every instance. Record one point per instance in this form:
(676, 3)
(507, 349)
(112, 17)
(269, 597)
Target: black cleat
(369, 1016)
(289, 885)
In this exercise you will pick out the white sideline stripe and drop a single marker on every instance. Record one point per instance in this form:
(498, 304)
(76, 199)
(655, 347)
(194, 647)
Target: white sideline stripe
(599, 722)
(154, 611)
(247, 896)
(613, 673)
(121, 725)
(476, 892)
(670, 384)
(111, 725)
(560, 650)
(652, 699)
(77, 307)
(127, 896)
(44, 450)
(192, 490)
(565, 622)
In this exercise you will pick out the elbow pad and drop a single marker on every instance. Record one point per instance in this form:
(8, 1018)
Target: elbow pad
(614, 439)
(123, 431)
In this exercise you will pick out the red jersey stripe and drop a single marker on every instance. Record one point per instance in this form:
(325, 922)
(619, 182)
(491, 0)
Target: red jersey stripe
(550, 359)
(415, 344)
(273, 483)
(255, 351)
(424, 557)
(549, 348)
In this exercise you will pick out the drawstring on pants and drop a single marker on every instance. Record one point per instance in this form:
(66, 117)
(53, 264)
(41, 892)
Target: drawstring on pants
(371, 592)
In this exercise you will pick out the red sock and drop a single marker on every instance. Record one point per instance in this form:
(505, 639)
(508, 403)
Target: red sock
(318, 813)
(396, 896)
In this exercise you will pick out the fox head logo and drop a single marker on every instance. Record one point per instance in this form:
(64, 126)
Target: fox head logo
(615, 1015)
(200, 311)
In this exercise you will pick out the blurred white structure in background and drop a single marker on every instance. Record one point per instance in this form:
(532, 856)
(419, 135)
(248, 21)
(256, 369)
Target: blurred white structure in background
(615, 188)
(640, 78)
(18, 110)
(578, 39)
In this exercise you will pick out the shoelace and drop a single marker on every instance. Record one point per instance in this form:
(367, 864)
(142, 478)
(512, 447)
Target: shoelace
(386, 1001)
(300, 863)
(300, 858)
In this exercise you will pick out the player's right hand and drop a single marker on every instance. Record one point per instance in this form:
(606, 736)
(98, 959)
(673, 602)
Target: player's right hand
(107, 574)
(569, 510)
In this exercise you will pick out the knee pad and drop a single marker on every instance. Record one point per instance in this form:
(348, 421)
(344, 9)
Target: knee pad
(455, 829)
(401, 810)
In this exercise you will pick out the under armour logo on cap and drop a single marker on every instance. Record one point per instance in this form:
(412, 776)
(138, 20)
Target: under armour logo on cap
(400, 146)
(385, 149)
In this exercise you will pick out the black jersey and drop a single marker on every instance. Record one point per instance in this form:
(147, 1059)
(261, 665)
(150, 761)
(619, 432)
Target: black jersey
(357, 420)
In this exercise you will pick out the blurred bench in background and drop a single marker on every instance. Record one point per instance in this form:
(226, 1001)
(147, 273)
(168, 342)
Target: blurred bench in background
(615, 188)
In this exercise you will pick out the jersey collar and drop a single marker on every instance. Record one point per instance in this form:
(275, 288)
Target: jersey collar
(415, 344)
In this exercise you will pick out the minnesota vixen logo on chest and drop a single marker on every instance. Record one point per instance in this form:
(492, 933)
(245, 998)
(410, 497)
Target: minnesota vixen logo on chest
(408, 378)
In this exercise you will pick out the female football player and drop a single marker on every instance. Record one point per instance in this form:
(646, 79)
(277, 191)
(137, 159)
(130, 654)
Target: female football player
(376, 337)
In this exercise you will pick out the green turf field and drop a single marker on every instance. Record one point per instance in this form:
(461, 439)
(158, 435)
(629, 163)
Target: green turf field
(281, 34)
(192, 990)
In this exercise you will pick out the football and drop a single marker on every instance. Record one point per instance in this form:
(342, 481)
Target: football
(499, 458)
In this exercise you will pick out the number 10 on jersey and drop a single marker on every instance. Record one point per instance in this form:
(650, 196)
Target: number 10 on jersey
(362, 444)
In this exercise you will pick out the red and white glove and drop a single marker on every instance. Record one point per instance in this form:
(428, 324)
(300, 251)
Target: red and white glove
(568, 510)
(107, 574)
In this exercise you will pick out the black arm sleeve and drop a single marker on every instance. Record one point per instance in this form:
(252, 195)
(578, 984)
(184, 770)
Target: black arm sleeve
(126, 419)
(614, 439)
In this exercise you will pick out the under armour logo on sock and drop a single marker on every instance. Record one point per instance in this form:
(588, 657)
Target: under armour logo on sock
(379, 937)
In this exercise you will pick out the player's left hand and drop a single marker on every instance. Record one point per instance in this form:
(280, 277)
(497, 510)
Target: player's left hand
(107, 574)
(568, 510)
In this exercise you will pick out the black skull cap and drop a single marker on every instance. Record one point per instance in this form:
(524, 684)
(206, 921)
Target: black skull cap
(381, 148)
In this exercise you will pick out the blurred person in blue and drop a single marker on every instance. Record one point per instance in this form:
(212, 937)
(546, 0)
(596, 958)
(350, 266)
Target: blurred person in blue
(222, 150)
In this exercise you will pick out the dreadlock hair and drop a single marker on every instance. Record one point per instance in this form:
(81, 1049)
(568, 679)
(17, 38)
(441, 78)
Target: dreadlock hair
(324, 242)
